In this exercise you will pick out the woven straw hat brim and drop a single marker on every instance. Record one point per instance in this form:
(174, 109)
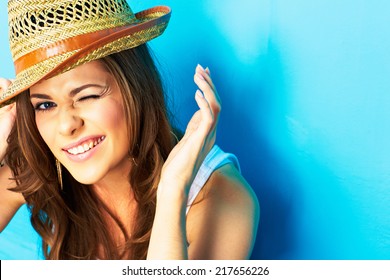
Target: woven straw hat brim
(151, 23)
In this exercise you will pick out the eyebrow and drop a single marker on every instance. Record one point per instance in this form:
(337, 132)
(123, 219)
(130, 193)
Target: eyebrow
(72, 93)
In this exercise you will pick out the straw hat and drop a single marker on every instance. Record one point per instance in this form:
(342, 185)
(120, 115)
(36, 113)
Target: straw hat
(48, 37)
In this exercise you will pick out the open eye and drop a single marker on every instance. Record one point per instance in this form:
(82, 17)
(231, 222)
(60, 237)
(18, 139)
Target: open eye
(44, 106)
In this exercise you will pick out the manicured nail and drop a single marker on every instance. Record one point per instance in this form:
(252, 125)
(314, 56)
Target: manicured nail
(208, 70)
(200, 67)
(199, 93)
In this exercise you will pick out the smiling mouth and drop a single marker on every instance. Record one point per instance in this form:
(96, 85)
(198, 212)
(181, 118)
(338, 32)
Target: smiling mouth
(85, 146)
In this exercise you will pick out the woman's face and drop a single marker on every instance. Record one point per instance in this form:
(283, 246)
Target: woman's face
(80, 116)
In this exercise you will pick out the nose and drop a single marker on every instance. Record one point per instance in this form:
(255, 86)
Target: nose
(69, 122)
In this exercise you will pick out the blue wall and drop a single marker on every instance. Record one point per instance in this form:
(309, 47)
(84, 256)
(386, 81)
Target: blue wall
(306, 107)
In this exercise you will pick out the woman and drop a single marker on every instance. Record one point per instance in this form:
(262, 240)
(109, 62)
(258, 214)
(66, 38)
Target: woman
(87, 142)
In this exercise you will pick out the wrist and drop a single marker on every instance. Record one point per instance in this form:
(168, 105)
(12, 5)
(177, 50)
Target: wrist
(171, 199)
(171, 191)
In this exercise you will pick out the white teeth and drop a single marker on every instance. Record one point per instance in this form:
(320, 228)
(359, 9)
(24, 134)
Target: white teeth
(85, 147)
(80, 149)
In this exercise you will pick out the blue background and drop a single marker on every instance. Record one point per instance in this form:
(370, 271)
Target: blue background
(306, 95)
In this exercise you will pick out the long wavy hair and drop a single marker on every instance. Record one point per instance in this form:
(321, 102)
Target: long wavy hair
(71, 221)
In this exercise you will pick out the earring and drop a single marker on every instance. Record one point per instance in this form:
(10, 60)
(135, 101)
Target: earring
(59, 174)
(133, 159)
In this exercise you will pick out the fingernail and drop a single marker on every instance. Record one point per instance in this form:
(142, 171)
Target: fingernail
(208, 70)
(200, 67)
(199, 93)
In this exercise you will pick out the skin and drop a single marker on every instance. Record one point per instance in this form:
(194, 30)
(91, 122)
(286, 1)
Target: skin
(80, 108)
(85, 103)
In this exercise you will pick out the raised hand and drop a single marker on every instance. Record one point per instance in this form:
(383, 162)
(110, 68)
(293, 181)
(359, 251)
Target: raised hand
(168, 237)
(185, 159)
(7, 118)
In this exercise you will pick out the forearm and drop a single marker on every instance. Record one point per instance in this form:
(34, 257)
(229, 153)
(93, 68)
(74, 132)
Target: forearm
(168, 238)
(3, 149)
(3, 146)
(7, 118)
(9, 201)
(2, 156)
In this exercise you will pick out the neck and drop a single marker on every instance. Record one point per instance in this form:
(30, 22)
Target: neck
(117, 195)
(115, 191)
(114, 188)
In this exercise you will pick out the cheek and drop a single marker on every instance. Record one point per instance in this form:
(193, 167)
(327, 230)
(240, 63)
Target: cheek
(46, 129)
(110, 115)
(118, 124)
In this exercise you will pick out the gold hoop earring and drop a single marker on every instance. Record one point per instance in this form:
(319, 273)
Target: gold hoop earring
(133, 159)
(59, 174)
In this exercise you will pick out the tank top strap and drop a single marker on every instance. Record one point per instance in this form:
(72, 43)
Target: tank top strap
(215, 159)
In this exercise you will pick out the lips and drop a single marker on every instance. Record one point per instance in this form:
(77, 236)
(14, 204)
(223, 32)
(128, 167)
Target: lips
(84, 146)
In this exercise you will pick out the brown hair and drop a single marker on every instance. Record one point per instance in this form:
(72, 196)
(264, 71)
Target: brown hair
(70, 221)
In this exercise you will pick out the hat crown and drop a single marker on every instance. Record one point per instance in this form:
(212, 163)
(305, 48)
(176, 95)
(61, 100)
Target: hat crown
(34, 24)
(49, 37)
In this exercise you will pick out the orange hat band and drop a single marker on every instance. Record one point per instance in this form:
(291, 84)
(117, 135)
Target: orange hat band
(60, 47)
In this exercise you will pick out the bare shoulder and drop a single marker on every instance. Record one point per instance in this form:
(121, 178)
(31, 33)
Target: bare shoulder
(226, 212)
(227, 184)
(10, 201)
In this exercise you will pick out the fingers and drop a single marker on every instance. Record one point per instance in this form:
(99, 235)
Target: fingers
(205, 111)
(203, 80)
(205, 73)
(200, 133)
(207, 77)
(8, 108)
(4, 84)
(208, 102)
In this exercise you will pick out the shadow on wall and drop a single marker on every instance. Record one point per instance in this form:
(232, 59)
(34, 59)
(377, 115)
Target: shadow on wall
(264, 164)
(254, 101)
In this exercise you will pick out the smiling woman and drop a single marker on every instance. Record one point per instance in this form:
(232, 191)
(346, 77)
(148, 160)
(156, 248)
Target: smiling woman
(89, 146)
(74, 101)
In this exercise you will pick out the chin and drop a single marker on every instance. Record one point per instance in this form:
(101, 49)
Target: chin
(86, 178)
(86, 181)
